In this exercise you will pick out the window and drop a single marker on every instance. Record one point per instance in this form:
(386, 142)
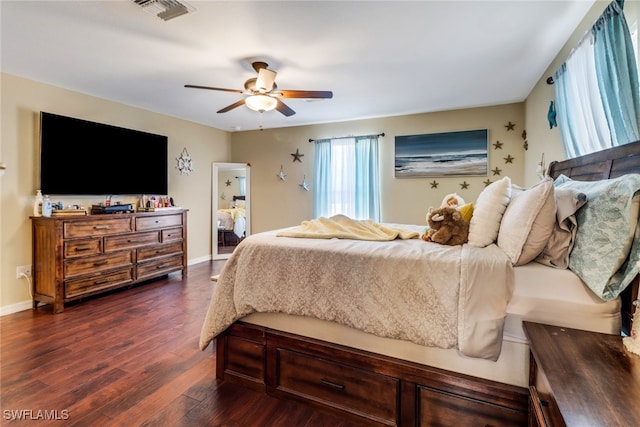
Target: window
(597, 89)
(347, 178)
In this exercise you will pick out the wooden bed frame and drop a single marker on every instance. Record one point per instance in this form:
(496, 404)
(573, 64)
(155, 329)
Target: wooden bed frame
(374, 389)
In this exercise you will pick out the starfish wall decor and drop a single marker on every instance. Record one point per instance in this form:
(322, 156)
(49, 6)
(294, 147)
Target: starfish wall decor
(281, 174)
(297, 156)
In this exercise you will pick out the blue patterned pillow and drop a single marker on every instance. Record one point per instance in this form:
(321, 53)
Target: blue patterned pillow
(607, 225)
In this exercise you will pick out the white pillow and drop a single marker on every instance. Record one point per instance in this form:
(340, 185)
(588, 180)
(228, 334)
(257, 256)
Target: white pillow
(528, 222)
(488, 211)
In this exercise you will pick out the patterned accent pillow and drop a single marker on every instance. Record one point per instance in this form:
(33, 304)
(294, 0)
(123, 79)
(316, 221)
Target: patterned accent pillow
(607, 225)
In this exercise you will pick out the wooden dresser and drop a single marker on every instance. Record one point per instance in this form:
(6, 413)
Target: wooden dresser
(580, 378)
(78, 256)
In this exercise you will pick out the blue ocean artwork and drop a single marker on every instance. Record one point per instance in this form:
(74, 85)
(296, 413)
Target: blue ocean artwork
(442, 154)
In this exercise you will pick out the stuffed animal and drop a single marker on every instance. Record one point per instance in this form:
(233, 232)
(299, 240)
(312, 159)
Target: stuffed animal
(452, 201)
(446, 226)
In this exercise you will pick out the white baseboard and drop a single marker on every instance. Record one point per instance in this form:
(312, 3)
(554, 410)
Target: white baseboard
(199, 260)
(14, 308)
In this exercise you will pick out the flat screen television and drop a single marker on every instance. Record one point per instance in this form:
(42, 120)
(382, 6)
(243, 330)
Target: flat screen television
(80, 157)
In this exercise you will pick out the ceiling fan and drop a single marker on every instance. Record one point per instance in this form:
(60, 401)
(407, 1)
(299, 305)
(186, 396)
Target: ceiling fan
(263, 93)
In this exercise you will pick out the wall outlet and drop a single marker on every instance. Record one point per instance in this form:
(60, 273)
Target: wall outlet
(23, 269)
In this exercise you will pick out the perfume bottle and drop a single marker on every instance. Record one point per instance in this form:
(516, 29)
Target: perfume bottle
(37, 204)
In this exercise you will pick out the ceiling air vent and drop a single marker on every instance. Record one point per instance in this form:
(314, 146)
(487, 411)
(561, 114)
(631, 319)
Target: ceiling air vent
(165, 9)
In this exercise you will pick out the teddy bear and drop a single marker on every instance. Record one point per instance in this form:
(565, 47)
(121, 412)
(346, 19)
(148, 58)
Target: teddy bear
(446, 226)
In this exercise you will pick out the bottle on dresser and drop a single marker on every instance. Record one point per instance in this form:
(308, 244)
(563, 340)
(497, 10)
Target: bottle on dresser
(46, 206)
(37, 204)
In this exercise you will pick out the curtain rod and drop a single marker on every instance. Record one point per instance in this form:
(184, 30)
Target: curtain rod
(342, 137)
(620, 3)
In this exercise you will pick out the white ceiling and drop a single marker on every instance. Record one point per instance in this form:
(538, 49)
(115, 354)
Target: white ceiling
(380, 58)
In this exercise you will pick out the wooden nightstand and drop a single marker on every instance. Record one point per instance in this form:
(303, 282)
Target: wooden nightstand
(580, 378)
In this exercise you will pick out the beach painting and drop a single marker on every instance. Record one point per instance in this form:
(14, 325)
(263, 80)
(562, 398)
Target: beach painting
(462, 153)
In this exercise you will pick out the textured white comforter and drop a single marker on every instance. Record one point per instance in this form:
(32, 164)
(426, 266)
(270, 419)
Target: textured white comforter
(430, 294)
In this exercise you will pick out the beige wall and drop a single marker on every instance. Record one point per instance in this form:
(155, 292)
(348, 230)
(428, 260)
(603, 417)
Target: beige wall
(277, 203)
(22, 100)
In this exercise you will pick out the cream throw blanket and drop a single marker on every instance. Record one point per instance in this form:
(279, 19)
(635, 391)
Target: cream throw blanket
(343, 227)
(430, 294)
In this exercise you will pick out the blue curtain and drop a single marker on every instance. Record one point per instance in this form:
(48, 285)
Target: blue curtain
(322, 179)
(346, 178)
(617, 73)
(367, 194)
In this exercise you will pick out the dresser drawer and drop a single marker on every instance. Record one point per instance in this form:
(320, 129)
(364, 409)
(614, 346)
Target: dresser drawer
(440, 408)
(341, 386)
(90, 228)
(159, 251)
(542, 400)
(79, 266)
(159, 221)
(74, 288)
(129, 241)
(148, 269)
(76, 248)
(172, 235)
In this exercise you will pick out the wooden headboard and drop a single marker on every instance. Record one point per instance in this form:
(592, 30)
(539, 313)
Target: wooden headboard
(606, 164)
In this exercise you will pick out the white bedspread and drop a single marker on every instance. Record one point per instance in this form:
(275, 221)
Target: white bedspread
(423, 292)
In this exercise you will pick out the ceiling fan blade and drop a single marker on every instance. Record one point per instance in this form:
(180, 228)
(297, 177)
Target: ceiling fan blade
(232, 106)
(325, 94)
(284, 109)
(213, 88)
(266, 79)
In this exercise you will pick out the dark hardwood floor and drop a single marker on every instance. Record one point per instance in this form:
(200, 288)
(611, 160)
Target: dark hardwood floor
(129, 358)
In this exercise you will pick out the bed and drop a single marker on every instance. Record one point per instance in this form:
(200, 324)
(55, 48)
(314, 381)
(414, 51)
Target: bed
(233, 219)
(458, 373)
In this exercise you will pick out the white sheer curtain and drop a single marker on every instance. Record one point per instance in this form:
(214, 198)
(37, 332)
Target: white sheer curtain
(583, 123)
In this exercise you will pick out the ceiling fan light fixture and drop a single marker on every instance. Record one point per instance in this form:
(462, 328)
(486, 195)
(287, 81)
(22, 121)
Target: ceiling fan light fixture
(261, 103)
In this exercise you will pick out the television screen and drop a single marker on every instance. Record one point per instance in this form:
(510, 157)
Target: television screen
(80, 157)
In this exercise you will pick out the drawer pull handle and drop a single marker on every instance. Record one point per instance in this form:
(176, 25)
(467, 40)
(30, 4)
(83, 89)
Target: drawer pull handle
(99, 263)
(332, 385)
(101, 227)
(101, 282)
(83, 248)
